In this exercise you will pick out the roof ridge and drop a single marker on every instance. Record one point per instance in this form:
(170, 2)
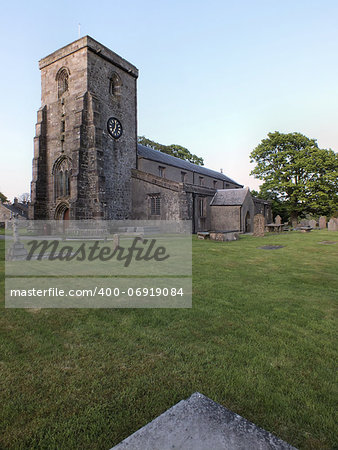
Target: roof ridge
(157, 155)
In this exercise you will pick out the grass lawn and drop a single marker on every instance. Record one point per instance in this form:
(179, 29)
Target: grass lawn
(260, 340)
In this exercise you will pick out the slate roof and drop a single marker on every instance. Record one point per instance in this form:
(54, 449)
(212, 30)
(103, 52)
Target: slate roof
(163, 158)
(229, 197)
(21, 211)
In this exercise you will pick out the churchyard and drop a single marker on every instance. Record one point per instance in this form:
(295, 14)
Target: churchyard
(259, 339)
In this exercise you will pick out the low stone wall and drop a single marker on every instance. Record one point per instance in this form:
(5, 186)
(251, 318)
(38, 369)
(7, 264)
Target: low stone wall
(224, 236)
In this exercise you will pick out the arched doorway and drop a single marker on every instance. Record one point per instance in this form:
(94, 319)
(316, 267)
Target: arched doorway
(247, 223)
(62, 215)
(62, 212)
(66, 214)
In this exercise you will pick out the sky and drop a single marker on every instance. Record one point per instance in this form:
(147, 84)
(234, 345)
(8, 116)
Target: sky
(214, 76)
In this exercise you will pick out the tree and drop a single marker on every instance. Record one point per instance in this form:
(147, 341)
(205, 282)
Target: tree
(297, 173)
(3, 198)
(25, 197)
(174, 150)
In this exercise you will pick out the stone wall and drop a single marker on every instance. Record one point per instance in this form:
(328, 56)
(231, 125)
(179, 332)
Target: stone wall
(225, 218)
(119, 155)
(233, 217)
(263, 207)
(247, 208)
(173, 200)
(74, 126)
(178, 201)
(72, 129)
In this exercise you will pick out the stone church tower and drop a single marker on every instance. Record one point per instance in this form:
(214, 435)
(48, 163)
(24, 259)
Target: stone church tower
(86, 134)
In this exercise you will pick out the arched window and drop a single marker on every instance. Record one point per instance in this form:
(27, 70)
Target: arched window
(115, 85)
(62, 79)
(61, 172)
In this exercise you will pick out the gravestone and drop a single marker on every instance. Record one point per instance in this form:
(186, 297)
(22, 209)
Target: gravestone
(278, 220)
(312, 223)
(17, 251)
(333, 224)
(322, 222)
(294, 223)
(199, 423)
(304, 223)
(116, 240)
(259, 225)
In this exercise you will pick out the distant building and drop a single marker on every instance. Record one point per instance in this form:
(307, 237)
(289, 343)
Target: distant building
(87, 162)
(9, 211)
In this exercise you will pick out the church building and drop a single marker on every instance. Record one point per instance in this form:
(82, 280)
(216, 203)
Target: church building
(88, 165)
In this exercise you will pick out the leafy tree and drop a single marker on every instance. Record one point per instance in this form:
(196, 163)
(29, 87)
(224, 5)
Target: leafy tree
(174, 150)
(3, 198)
(297, 173)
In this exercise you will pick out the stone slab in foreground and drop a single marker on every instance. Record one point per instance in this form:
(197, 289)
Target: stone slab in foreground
(199, 423)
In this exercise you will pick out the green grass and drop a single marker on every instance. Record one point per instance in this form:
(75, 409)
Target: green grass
(260, 340)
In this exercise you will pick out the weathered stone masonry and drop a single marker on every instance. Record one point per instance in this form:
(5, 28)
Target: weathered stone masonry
(81, 171)
(72, 125)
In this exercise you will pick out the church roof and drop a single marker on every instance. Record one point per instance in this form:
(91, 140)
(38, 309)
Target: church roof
(155, 155)
(229, 197)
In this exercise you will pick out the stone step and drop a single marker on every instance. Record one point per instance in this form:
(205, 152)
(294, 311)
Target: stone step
(199, 423)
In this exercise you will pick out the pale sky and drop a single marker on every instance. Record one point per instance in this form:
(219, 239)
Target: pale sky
(215, 76)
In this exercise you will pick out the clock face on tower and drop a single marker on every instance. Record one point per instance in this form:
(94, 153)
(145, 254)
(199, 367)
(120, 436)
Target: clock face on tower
(114, 127)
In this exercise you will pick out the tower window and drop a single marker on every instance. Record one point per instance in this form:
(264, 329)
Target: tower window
(155, 205)
(62, 79)
(183, 176)
(115, 85)
(161, 171)
(201, 180)
(215, 183)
